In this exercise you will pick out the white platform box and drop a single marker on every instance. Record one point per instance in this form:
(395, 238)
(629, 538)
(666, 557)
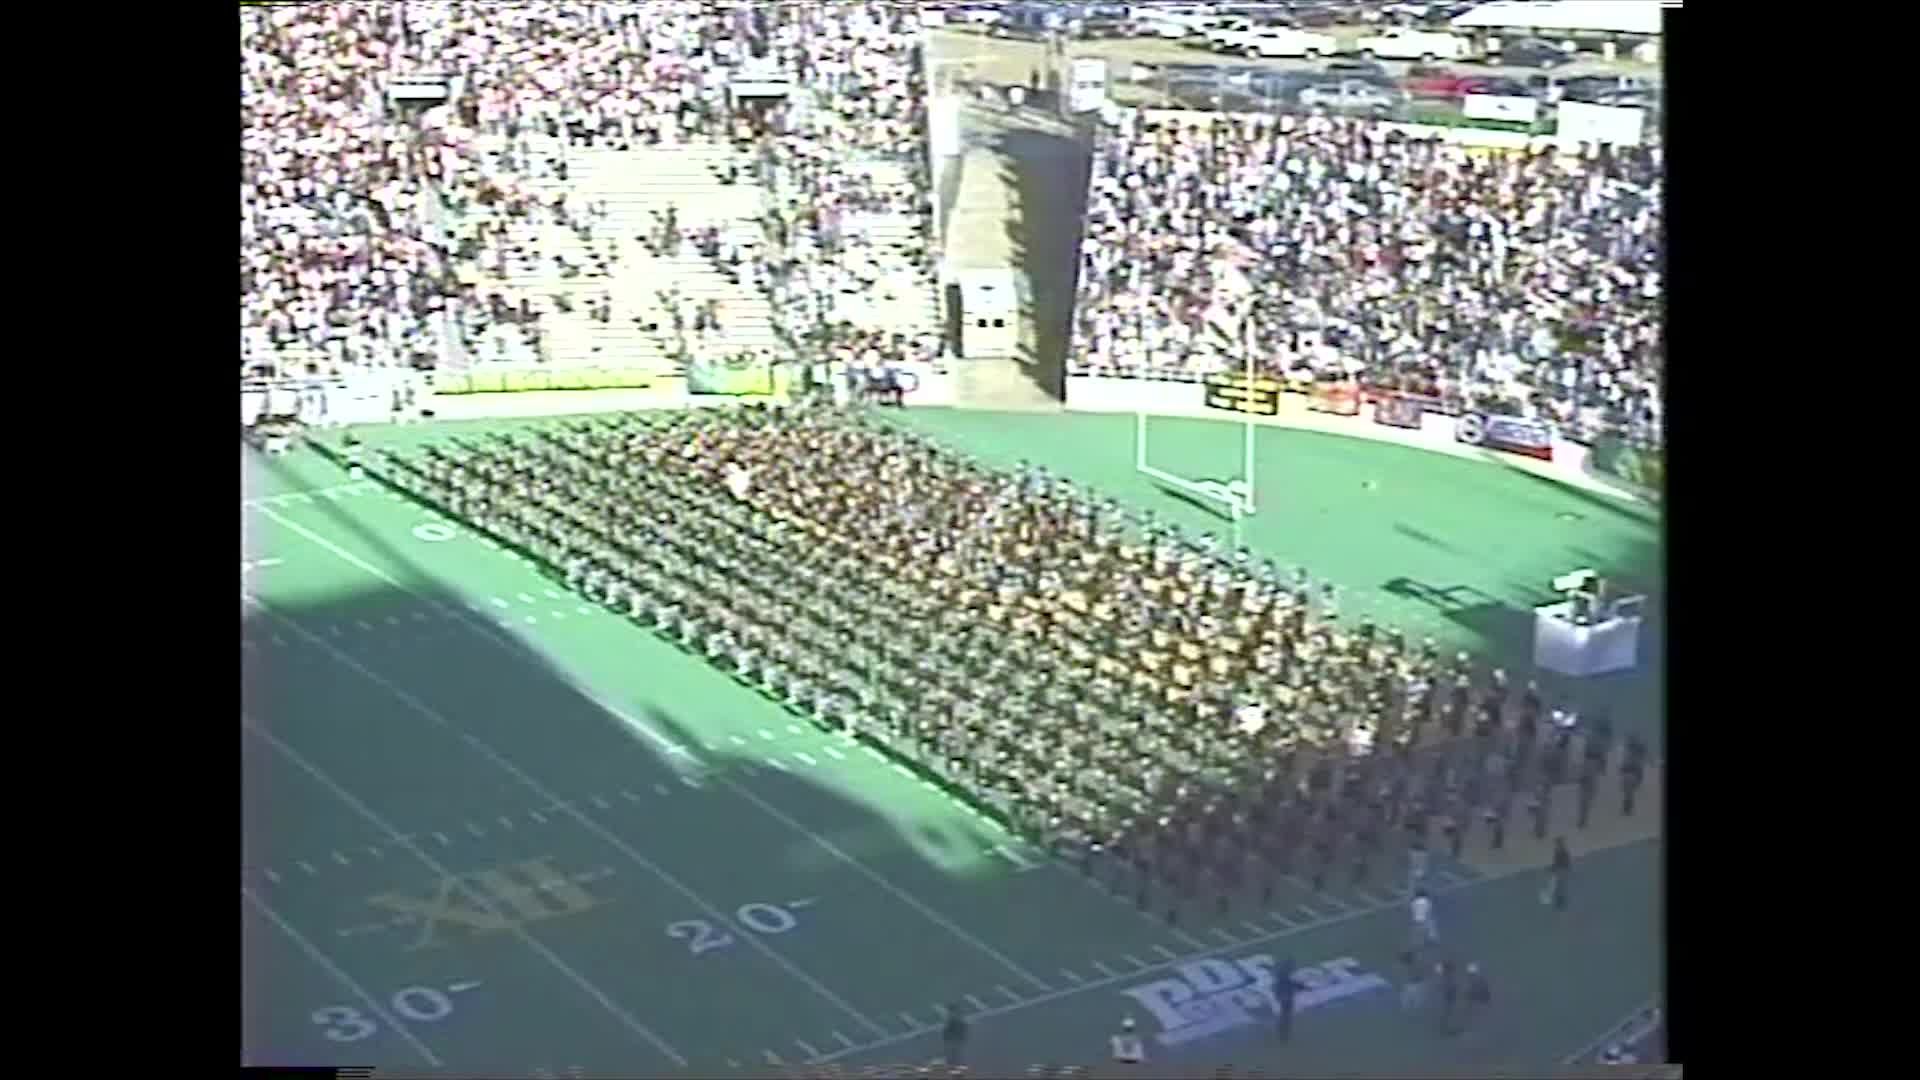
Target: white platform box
(1563, 645)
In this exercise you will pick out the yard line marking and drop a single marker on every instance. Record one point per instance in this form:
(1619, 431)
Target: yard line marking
(506, 821)
(484, 902)
(341, 859)
(1370, 898)
(552, 595)
(1071, 976)
(874, 754)
(1253, 927)
(1175, 959)
(843, 1039)
(463, 987)
(535, 815)
(660, 788)
(1164, 951)
(690, 781)
(1225, 935)
(472, 828)
(1104, 969)
(531, 619)
(363, 624)
(805, 760)
(977, 1003)
(1134, 960)
(308, 867)
(1338, 904)
(889, 887)
(778, 764)
(271, 876)
(524, 598)
(767, 735)
(375, 852)
(834, 753)
(527, 781)
(737, 740)
(393, 620)
(601, 803)
(442, 837)
(499, 602)
(1010, 993)
(1312, 912)
(795, 729)
(1651, 1005)
(811, 1052)
(317, 956)
(1283, 921)
(629, 796)
(904, 771)
(908, 1017)
(773, 1058)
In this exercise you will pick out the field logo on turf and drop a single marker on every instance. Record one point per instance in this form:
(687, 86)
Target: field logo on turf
(528, 891)
(1204, 998)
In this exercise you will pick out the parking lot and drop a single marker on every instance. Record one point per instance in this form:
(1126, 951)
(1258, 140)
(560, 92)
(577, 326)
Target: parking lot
(1161, 73)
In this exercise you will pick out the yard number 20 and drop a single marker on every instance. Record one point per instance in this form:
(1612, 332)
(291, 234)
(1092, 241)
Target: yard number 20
(702, 936)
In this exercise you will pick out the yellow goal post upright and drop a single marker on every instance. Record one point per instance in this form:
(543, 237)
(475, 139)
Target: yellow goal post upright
(1235, 495)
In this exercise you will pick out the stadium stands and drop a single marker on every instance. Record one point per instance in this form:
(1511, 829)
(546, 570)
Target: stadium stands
(1521, 283)
(521, 220)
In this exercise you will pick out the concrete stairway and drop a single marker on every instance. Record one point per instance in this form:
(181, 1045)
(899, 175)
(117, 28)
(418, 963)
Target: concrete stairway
(634, 186)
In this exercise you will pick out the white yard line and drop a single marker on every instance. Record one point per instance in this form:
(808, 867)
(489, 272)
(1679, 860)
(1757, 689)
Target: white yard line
(318, 956)
(888, 887)
(483, 902)
(1611, 1033)
(592, 826)
(1177, 959)
(485, 630)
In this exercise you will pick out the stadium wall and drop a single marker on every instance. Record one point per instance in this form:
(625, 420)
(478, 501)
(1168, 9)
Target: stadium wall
(1437, 433)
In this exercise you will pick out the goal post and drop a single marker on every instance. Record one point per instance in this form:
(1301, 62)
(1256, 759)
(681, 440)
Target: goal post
(1235, 495)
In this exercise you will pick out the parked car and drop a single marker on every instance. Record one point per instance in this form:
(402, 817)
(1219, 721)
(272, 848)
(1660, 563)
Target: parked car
(1349, 68)
(1496, 86)
(1590, 88)
(1283, 41)
(1629, 99)
(1314, 16)
(1533, 52)
(1426, 46)
(1422, 81)
(1350, 95)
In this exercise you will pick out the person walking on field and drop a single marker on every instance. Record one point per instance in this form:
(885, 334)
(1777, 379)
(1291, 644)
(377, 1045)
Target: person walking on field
(1558, 873)
(955, 1035)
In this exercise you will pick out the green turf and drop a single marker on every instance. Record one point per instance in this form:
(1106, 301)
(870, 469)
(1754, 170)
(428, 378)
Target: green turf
(463, 739)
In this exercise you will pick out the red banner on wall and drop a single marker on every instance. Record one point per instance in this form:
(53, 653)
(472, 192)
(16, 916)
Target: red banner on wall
(1342, 399)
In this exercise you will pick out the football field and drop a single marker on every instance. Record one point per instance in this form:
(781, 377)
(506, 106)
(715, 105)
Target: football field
(490, 826)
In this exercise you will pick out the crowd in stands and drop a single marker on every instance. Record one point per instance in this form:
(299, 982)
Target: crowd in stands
(863, 116)
(379, 234)
(1522, 283)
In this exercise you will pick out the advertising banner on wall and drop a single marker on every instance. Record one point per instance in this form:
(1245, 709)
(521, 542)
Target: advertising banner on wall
(1341, 399)
(1234, 392)
(1519, 110)
(733, 375)
(1514, 434)
(1397, 411)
